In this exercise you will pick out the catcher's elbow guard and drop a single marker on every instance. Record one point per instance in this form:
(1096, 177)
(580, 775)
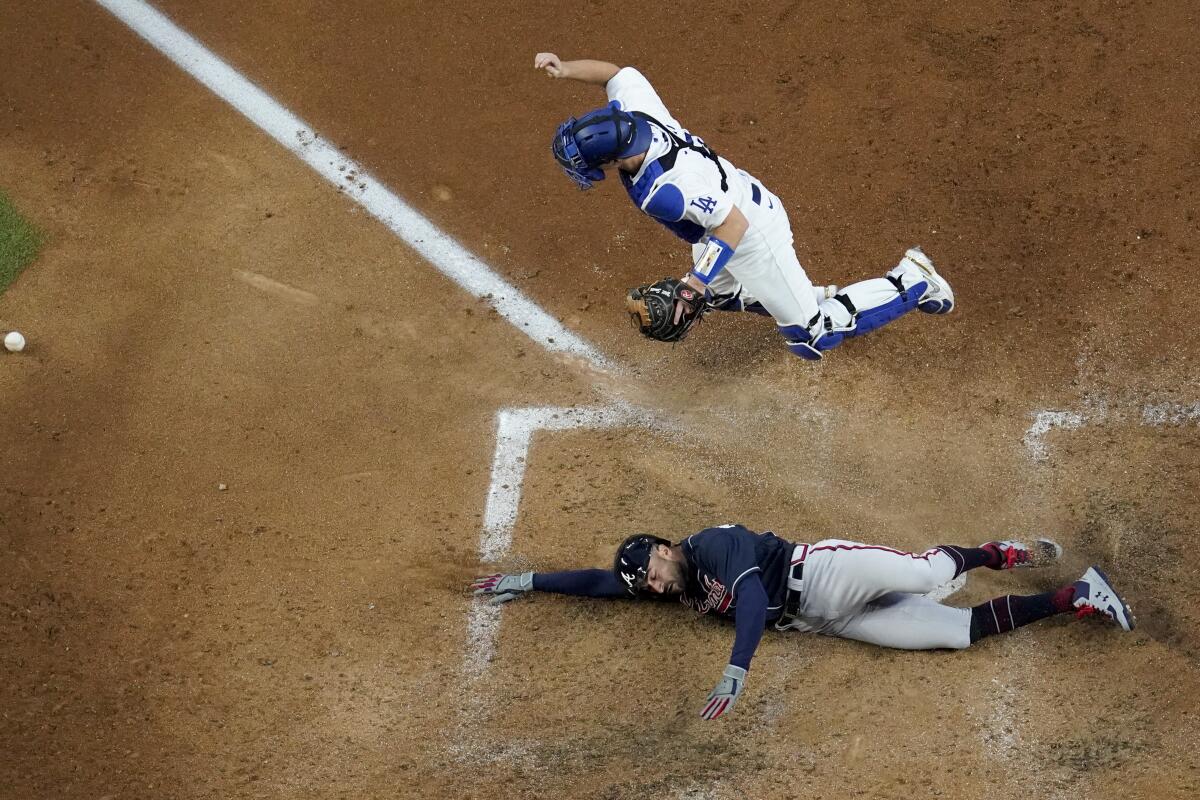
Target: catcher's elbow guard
(712, 260)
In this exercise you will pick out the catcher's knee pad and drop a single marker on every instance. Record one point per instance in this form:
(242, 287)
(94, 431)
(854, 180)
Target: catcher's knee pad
(800, 340)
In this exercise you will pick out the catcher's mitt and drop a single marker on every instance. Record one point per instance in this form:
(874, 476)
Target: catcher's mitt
(665, 310)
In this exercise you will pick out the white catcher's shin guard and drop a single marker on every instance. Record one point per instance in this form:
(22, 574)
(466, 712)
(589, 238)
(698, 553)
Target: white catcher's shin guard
(871, 304)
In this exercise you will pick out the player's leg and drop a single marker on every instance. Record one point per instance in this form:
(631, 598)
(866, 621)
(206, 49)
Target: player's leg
(771, 278)
(768, 273)
(726, 293)
(1092, 594)
(906, 622)
(913, 622)
(1006, 554)
(867, 305)
(737, 298)
(841, 576)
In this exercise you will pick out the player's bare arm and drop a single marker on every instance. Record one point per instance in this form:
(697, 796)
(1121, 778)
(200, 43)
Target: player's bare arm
(585, 70)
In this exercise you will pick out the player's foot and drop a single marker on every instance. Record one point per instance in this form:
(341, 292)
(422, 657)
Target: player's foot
(1013, 554)
(938, 297)
(1095, 595)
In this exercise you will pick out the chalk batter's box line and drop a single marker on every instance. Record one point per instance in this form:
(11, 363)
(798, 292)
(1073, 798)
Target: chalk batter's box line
(1098, 412)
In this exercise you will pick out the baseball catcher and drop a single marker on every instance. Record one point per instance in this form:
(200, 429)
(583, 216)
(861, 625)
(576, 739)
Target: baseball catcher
(739, 233)
(835, 587)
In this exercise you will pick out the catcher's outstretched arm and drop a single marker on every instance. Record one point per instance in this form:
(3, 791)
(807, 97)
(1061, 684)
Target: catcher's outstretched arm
(733, 228)
(585, 69)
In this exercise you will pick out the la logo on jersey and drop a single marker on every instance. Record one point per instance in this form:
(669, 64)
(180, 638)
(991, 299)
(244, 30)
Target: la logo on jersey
(715, 597)
(705, 204)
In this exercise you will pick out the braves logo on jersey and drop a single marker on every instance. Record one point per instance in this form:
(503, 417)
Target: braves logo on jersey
(715, 597)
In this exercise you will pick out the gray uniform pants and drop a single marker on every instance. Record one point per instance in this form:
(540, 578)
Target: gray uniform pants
(876, 594)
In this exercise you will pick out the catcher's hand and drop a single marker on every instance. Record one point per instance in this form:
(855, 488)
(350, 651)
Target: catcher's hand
(726, 694)
(503, 588)
(665, 310)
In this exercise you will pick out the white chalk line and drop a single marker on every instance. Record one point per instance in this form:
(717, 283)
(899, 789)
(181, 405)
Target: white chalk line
(1097, 412)
(515, 429)
(433, 244)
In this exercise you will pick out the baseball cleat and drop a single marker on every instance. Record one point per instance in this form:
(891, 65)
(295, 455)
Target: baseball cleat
(938, 297)
(1095, 595)
(826, 292)
(1014, 554)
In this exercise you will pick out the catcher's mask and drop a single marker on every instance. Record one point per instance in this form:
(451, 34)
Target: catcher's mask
(582, 145)
(633, 560)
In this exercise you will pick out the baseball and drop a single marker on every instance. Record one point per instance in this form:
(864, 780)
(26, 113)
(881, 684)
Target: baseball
(14, 342)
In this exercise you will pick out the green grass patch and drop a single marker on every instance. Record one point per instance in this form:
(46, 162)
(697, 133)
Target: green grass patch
(19, 243)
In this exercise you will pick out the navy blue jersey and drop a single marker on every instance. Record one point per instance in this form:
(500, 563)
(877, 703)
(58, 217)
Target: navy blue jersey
(719, 558)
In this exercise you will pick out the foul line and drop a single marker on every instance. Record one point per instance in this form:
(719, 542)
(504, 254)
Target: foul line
(447, 255)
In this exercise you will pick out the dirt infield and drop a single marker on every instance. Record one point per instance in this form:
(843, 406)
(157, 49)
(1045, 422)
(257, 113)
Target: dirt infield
(246, 454)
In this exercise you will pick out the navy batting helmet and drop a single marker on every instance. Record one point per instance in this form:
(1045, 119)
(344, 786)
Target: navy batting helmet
(633, 559)
(581, 145)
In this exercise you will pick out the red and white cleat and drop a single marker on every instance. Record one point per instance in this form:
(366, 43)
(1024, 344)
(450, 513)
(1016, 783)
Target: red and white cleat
(1015, 554)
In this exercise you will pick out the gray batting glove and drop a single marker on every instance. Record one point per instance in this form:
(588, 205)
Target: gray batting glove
(503, 588)
(726, 694)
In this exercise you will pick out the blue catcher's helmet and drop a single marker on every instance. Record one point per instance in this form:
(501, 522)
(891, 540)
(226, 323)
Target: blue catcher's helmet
(581, 145)
(633, 560)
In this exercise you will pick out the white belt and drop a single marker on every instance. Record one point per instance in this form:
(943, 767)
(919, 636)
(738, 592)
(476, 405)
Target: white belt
(795, 579)
(795, 587)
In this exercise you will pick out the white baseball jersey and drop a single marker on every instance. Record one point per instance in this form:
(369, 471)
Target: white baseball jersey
(691, 190)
